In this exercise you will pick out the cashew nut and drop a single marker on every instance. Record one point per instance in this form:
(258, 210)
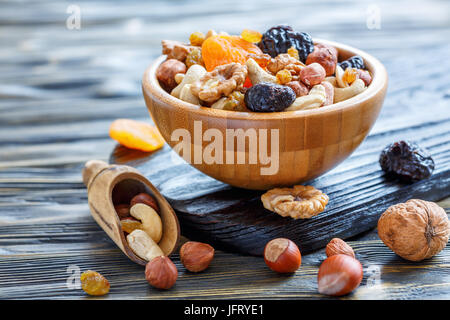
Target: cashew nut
(341, 94)
(332, 80)
(143, 246)
(186, 95)
(340, 77)
(258, 74)
(194, 73)
(314, 99)
(151, 222)
(179, 77)
(220, 104)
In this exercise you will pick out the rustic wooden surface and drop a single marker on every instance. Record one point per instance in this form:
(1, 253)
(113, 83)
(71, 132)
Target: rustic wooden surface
(60, 89)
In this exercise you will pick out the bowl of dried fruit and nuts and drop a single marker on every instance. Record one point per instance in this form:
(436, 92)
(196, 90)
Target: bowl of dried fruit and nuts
(263, 110)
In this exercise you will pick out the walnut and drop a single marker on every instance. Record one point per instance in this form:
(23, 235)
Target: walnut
(298, 202)
(222, 81)
(285, 61)
(176, 49)
(414, 230)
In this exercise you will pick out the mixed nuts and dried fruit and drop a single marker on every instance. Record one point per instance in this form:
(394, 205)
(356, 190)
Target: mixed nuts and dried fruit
(280, 70)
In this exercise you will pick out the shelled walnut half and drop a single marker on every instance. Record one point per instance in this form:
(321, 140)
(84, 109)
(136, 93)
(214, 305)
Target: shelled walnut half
(298, 202)
(222, 81)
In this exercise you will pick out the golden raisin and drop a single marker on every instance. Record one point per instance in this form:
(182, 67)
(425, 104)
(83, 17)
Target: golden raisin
(251, 36)
(136, 135)
(350, 75)
(197, 38)
(235, 102)
(284, 76)
(293, 53)
(130, 224)
(94, 284)
(194, 57)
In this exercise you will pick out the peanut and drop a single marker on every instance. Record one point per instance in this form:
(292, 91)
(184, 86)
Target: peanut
(364, 76)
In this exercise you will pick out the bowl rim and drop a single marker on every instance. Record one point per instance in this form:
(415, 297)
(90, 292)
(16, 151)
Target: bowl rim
(150, 85)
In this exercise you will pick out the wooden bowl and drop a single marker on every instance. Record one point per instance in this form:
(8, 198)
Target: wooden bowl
(311, 142)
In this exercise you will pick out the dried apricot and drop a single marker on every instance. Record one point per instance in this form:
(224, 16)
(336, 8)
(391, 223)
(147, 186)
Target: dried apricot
(94, 284)
(136, 135)
(223, 49)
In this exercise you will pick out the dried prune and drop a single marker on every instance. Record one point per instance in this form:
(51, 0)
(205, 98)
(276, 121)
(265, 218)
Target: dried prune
(353, 62)
(406, 160)
(280, 39)
(269, 97)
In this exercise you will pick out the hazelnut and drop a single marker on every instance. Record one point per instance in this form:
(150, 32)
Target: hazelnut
(339, 246)
(365, 76)
(145, 198)
(161, 273)
(166, 73)
(312, 74)
(282, 255)
(339, 275)
(123, 210)
(299, 88)
(414, 230)
(324, 55)
(196, 256)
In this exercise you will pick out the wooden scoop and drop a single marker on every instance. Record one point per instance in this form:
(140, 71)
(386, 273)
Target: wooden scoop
(109, 185)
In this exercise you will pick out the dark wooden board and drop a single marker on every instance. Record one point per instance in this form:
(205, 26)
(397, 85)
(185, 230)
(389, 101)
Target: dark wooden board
(60, 89)
(234, 219)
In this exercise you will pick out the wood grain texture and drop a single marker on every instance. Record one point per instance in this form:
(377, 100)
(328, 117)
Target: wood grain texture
(60, 89)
